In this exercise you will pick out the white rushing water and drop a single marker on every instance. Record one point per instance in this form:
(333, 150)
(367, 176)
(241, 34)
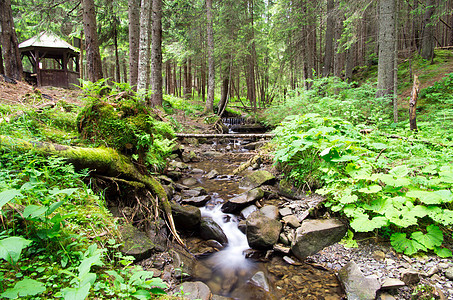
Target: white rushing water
(233, 255)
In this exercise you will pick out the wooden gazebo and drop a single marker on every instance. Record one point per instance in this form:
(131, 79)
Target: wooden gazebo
(48, 46)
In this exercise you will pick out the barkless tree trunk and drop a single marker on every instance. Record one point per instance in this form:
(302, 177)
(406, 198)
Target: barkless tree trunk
(143, 54)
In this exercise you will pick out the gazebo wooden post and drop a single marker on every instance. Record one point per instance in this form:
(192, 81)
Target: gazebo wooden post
(38, 69)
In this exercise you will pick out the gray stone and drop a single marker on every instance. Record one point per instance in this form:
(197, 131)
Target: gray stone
(270, 211)
(410, 276)
(314, 235)
(218, 297)
(254, 145)
(191, 193)
(292, 221)
(210, 230)
(212, 174)
(281, 248)
(356, 285)
(260, 280)
(241, 201)
(248, 210)
(186, 217)
(262, 232)
(181, 187)
(378, 255)
(179, 165)
(135, 242)
(392, 283)
(285, 211)
(242, 226)
(197, 201)
(256, 179)
(189, 181)
(449, 273)
(197, 171)
(194, 290)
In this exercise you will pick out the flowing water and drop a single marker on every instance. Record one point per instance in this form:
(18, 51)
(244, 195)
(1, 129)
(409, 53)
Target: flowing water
(228, 272)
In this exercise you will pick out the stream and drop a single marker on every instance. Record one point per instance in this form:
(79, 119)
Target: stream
(237, 271)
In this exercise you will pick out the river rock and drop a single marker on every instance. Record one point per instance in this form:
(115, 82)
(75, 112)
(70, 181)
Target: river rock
(248, 210)
(449, 273)
(197, 201)
(210, 230)
(254, 145)
(410, 276)
(186, 217)
(270, 211)
(191, 193)
(242, 226)
(135, 242)
(218, 297)
(241, 201)
(285, 211)
(260, 280)
(314, 235)
(356, 285)
(292, 221)
(392, 283)
(197, 171)
(194, 290)
(262, 232)
(189, 181)
(256, 179)
(178, 165)
(212, 174)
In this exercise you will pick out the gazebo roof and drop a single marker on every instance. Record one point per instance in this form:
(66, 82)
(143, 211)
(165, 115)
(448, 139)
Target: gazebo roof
(47, 40)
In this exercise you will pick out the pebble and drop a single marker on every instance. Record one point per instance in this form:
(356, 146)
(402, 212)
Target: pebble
(449, 273)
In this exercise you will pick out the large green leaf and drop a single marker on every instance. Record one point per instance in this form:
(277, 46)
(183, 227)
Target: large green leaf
(371, 189)
(23, 288)
(394, 181)
(399, 171)
(363, 224)
(443, 252)
(433, 238)
(11, 248)
(402, 244)
(7, 196)
(77, 293)
(426, 197)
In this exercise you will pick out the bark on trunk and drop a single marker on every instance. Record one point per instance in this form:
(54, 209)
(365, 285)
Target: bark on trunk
(413, 104)
(156, 54)
(93, 56)
(134, 41)
(427, 49)
(117, 57)
(2, 70)
(143, 55)
(209, 108)
(330, 30)
(8, 40)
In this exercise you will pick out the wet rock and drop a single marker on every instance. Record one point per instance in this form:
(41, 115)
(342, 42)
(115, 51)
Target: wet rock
(270, 211)
(281, 248)
(292, 221)
(290, 261)
(449, 273)
(256, 179)
(284, 239)
(210, 230)
(248, 210)
(242, 226)
(189, 181)
(197, 171)
(392, 283)
(314, 235)
(191, 193)
(181, 187)
(410, 276)
(194, 290)
(241, 201)
(262, 232)
(260, 280)
(178, 165)
(197, 201)
(186, 217)
(255, 145)
(214, 244)
(135, 242)
(212, 174)
(169, 190)
(174, 175)
(285, 211)
(189, 156)
(356, 285)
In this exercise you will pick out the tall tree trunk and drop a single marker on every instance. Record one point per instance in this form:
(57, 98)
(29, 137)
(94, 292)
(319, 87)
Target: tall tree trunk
(93, 56)
(209, 108)
(387, 14)
(189, 76)
(2, 70)
(143, 55)
(175, 80)
(203, 80)
(330, 31)
(115, 44)
(134, 41)
(156, 54)
(427, 48)
(124, 63)
(9, 45)
(185, 86)
(168, 80)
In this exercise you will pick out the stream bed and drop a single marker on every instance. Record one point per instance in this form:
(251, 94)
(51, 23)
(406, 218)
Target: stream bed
(238, 271)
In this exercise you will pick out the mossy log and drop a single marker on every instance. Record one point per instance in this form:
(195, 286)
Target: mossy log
(105, 161)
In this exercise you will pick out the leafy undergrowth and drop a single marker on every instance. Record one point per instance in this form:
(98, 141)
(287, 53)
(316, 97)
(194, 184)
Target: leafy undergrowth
(395, 186)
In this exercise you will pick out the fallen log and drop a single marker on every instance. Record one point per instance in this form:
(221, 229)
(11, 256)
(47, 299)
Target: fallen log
(232, 136)
(105, 161)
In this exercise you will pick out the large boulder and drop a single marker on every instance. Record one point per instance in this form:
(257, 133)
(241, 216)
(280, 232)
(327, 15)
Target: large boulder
(210, 230)
(186, 217)
(314, 235)
(257, 179)
(135, 242)
(270, 211)
(261, 231)
(356, 285)
(194, 290)
(243, 200)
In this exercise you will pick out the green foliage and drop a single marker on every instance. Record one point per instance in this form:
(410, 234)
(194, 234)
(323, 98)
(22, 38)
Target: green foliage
(372, 180)
(332, 97)
(440, 91)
